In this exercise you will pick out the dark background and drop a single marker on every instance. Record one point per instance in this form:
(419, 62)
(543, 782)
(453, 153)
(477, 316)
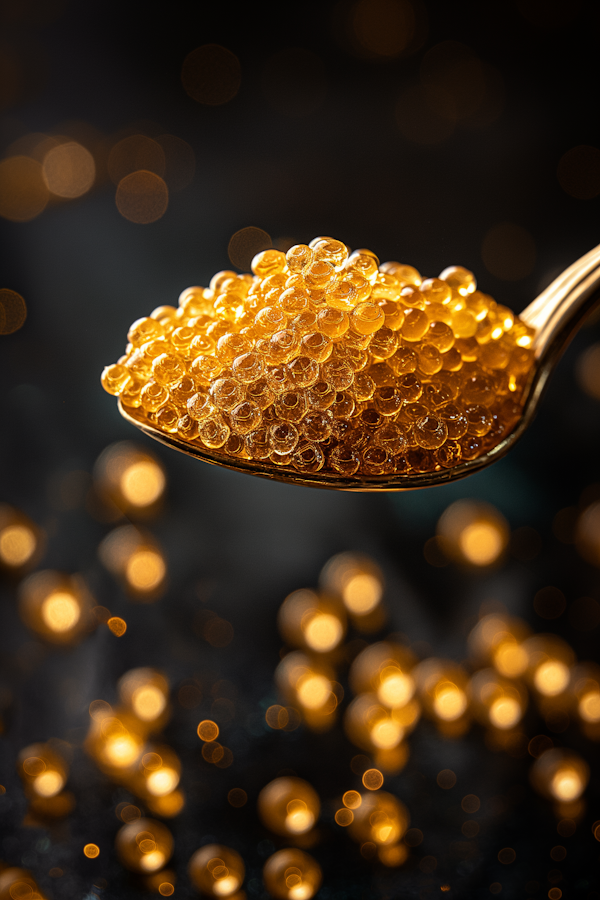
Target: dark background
(338, 161)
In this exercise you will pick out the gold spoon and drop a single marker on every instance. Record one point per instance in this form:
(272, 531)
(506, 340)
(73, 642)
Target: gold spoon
(556, 314)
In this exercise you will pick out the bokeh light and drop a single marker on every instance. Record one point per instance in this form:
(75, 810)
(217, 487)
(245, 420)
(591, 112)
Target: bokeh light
(180, 162)
(135, 557)
(55, 606)
(43, 771)
(91, 851)
(561, 775)
(496, 701)
(13, 311)
(20, 540)
(69, 170)
(578, 172)
(135, 153)
(474, 533)
(380, 818)
(442, 688)
(245, 244)
(146, 692)
(587, 370)
(132, 479)
(216, 871)
(292, 875)
(211, 75)
(313, 621)
(23, 191)
(288, 806)
(142, 197)
(144, 846)
(117, 625)
(358, 581)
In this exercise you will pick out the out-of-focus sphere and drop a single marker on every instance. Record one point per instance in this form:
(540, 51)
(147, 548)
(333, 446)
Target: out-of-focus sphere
(511, 659)
(386, 734)
(17, 545)
(144, 846)
(481, 543)
(323, 632)
(380, 818)
(142, 483)
(505, 712)
(395, 688)
(450, 703)
(362, 593)
(69, 170)
(289, 806)
(313, 691)
(148, 702)
(292, 875)
(49, 783)
(60, 611)
(566, 784)
(145, 570)
(121, 750)
(589, 706)
(551, 678)
(217, 870)
(162, 781)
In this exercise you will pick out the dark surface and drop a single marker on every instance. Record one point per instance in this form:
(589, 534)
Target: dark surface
(235, 544)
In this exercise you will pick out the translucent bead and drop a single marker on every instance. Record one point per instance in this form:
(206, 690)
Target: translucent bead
(145, 329)
(410, 388)
(344, 405)
(403, 362)
(226, 393)
(430, 359)
(456, 421)
(486, 329)
(449, 454)
(505, 316)
(319, 275)
(153, 396)
(494, 355)
(375, 460)
(386, 287)
(181, 338)
(298, 257)
(356, 359)
(331, 250)
(451, 360)
(460, 279)
(391, 437)
(308, 457)
(275, 282)
(464, 324)
(131, 393)
(411, 413)
(363, 286)
(342, 296)
(406, 274)
(437, 395)
(478, 389)
(227, 307)
(305, 322)
(430, 432)
(217, 281)
(471, 447)
(165, 315)
(412, 297)
(371, 419)
(138, 365)
(344, 460)
(232, 345)
(236, 446)
(151, 349)
(317, 346)
(214, 432)
(269, 320)
(168, 370)
(245, 417)
(258, 443)
(364, 263)
(436, 291)
(260, 393)
(367, 318)
(415, 325)
(363, 386)
(199, 407)
(479, 304)
(382, 374)
(479, 420)
(420, 460)
(355, 341)
(294, 300)
(338, 374)
(283, 346)
(268, 262)
(520, 361)
(384, 343)
(440, 335)
(317, 425)
(468, 349)
(291, 406)
(304, 371)
(321, 395)
(279, 380)
(114, 378)
(280, 459)
(200, 323)
(167, 418)
(283, 437)
(204, 369)
(248, 367)
(435, 312)
(202, 345)
(388, 401)
(394, 314)
(217, 330)
(182, 391)
(187, 428)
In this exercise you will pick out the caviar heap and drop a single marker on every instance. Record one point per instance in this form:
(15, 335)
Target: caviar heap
(325, 361)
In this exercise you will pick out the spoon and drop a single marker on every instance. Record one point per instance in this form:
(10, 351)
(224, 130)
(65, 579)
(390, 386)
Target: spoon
(556, 314)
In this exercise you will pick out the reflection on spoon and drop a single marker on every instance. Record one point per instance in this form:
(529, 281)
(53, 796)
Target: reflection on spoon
(330, 370)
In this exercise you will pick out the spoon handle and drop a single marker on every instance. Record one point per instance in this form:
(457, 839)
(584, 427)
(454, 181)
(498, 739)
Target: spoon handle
(559, 310)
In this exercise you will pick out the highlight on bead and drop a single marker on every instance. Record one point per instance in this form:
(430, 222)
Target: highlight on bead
(130, 478)
(292, 874)
(144, 846)
(324, 364)
(216, 870)
(473, 533)
(20, 540)
(56, 606)
(289, 806)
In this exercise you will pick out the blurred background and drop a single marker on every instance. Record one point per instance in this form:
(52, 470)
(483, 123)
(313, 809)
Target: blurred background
(142, 151)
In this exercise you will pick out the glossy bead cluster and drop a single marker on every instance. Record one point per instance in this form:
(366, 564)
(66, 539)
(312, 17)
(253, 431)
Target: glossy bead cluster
(326, 361)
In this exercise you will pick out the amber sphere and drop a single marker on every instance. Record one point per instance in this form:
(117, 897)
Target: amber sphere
(289, 806)
(144, 846)
(292, 875)
(216, 870)
(380, 818)
(18, 883)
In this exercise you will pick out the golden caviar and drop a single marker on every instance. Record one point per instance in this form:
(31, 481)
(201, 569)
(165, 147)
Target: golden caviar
(325, 361)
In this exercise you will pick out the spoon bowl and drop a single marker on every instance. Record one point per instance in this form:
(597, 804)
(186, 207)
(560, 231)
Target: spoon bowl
(555, 316)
